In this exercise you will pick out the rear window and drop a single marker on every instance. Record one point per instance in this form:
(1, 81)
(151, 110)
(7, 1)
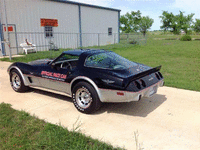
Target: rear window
(108, 60)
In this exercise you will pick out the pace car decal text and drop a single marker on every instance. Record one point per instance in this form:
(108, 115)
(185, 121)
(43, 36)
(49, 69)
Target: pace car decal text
(52, 75)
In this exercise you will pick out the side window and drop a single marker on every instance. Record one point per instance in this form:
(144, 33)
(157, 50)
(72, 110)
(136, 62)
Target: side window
(67, 61)
(109, 31)
(48, 31)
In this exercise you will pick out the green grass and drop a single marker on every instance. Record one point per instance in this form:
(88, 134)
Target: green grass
(35, 56)
(20, 130)
(180, 60)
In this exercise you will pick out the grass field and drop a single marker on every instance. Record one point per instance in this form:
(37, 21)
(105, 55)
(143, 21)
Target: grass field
(19, 130)
(180, 60)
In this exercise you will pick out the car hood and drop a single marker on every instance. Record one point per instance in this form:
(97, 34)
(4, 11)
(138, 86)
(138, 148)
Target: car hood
(40, 62)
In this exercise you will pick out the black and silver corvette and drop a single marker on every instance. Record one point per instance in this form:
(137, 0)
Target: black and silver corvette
(90, 77)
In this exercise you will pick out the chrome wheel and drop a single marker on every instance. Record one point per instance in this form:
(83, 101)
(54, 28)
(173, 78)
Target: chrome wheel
(83, 97)
(16, 82)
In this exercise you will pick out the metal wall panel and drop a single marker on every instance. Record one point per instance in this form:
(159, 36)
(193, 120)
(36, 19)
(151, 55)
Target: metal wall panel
(26, 14)
(96, 20)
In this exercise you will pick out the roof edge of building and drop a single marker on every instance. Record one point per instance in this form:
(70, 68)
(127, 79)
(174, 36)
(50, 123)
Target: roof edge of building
(83, 4)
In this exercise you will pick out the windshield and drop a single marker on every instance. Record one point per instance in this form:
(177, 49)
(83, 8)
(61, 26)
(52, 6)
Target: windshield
(66, 57)
(109, 60)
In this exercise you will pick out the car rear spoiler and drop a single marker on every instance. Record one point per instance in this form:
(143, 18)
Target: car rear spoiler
(145, 73)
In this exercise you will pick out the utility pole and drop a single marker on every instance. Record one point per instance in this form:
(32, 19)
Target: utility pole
(8, 35)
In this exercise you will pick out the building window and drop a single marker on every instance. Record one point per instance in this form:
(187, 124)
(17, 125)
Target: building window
(48, 31)
(109, 31)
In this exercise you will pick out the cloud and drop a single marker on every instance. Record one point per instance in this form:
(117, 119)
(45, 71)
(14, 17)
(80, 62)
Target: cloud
(155, 16)
(188, 6)
(125, 9)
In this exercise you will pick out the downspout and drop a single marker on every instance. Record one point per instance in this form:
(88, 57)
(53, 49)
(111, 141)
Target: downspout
(1, 38)
(6, 24)
(16, 39)
(118, 26)
(80, 31)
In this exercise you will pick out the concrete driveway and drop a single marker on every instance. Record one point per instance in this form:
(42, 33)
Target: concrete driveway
(170, 120)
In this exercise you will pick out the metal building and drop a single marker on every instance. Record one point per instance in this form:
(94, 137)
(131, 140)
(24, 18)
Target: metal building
(58, 23)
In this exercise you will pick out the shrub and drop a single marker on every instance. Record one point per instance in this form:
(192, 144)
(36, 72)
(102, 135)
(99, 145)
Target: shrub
(171, 38)
(186, 38)
(123, 37)
(132, 42)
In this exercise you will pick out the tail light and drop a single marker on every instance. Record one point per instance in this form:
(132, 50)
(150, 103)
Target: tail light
(137, 84)
(160, 74)
(142, 83)
(157, 76)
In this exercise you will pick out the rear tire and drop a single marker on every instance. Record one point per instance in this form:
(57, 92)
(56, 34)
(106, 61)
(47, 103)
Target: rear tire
(17, 82)
(85, 98)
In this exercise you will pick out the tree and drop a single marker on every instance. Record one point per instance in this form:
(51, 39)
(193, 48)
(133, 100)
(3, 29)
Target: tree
(175, 26)
(129, 22)
(145, 24)
(124, 25)
(167, 20)
(184, 22)
(196, 25)
(176, 22)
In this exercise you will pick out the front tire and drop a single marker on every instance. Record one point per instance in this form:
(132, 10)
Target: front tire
(16, 82)
(85, 98)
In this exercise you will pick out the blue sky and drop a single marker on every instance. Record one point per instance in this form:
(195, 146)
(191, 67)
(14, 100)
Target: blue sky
(151, 8)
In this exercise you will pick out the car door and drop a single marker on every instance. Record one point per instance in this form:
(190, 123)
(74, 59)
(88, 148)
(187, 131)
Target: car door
(55, 76)
(55, 79)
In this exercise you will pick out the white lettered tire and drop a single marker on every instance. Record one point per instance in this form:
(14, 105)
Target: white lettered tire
(85, 98)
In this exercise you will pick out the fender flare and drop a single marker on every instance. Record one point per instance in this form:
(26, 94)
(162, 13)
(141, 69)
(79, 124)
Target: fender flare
(87, 80)
(20, 72)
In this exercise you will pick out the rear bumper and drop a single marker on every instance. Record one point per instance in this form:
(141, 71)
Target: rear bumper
(108, 95)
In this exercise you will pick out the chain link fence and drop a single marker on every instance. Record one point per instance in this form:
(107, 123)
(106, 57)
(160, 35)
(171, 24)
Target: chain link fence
(133, 38)
(60, 40)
